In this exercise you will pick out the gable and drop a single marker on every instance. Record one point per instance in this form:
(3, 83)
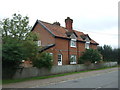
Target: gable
(44, 36)
(87, 39)
(73, 36)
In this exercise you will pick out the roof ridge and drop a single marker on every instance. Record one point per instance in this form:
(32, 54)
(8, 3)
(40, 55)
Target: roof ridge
(57, 25)
(52, 24)
(45, 22)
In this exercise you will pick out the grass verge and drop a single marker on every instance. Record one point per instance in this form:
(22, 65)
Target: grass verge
(45, 77)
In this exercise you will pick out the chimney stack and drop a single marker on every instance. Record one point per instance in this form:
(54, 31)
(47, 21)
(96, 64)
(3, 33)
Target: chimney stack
(68, 23)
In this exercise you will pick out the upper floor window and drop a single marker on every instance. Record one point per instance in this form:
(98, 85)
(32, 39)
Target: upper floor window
(39, 42)
(73, 43)
(87, 45)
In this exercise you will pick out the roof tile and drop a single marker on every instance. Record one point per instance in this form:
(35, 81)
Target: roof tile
(60, 31)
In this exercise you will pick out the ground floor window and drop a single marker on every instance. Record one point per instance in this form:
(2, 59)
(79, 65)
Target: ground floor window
(59, 59)
(73, 59)
(51, 54)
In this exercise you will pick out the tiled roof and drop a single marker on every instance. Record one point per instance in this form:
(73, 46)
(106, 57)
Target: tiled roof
(46, 47)
(60, 31)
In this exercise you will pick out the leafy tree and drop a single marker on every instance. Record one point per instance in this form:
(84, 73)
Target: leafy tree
(90, 55)
(17, 43)
(108, 53)
(15, 27)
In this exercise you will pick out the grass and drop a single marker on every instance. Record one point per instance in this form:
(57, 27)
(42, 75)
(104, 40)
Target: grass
(45, 77)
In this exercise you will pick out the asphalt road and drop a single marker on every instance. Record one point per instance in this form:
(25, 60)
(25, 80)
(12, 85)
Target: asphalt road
(104, 80)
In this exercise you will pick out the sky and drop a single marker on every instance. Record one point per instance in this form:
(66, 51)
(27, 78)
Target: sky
(98, 18)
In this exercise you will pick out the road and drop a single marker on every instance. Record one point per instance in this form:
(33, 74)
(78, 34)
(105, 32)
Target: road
(104, 80)
(107, 78)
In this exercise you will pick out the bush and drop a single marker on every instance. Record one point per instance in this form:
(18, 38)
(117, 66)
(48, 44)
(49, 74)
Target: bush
(11, 56)
(90, 55)
(43, 60)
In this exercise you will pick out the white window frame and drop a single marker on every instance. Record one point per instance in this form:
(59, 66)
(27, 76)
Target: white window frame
(39, 42)
(75, 59)
(87, 45)
(73, 43)
(60, 59)
(51, 54)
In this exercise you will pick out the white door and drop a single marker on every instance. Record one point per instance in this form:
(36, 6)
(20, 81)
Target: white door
(59, 59)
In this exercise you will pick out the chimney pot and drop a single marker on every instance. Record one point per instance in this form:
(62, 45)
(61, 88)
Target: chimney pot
(56, 23)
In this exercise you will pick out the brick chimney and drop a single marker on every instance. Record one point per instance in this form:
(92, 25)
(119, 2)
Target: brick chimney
(68, 23)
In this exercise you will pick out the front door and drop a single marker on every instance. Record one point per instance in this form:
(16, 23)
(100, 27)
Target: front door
(59, 59)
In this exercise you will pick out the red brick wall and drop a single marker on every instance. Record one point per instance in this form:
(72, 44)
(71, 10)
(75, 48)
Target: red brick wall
(45, 37)
(93, 46)
(61, 46)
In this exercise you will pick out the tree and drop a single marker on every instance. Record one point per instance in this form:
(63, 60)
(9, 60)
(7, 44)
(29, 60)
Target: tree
(16, 27)
(108, 53)
(118, 56)
(90, 55)
(18, 43)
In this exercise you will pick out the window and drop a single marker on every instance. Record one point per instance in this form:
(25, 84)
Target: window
(73, 43)
(39, 43)
(59, 59)
(87, 45)
(51, 54)
(73, 59)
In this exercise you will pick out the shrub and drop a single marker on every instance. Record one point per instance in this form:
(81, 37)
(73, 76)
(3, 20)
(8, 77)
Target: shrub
(90, 55)
(11, 56)
(13, 52)
(43, 60)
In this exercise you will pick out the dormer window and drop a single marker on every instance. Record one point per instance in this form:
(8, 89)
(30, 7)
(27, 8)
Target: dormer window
(73, 43)
(87, 45)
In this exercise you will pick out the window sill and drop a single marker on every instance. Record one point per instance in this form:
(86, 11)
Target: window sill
(73, 46)
(73, 63)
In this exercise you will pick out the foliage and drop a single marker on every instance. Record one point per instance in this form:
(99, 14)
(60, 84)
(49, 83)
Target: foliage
(43, 60)
(29, 50)
(17, 42)
(11, 56)
(16, 27)
(11, 52)
(90, 55)
(108, 53)
(118, 59)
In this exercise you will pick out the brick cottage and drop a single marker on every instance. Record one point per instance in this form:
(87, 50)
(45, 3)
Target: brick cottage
(63, 43)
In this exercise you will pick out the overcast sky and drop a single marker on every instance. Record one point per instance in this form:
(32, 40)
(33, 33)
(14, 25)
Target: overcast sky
(98, 18)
